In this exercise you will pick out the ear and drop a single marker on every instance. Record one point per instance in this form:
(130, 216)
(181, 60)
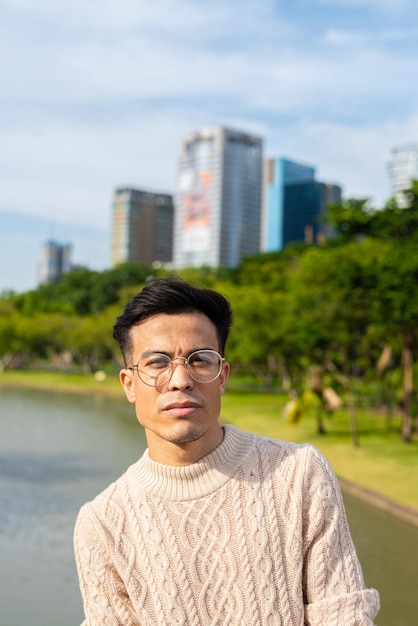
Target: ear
(224, 377)
(127, 380)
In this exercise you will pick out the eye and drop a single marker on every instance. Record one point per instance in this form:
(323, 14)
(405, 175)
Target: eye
(155, 362)
(202, 358)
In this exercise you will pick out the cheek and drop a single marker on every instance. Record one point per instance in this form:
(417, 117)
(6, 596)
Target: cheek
(146, 404)
(213, 399)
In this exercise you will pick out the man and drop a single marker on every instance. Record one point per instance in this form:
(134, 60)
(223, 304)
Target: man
(212, 525)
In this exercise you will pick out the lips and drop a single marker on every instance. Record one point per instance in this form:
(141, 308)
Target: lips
(181, 408)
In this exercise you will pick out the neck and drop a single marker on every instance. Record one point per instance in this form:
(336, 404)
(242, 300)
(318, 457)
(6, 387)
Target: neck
(199, 479)
(182, 453)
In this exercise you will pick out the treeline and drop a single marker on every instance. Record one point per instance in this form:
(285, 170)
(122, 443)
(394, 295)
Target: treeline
(343, 315)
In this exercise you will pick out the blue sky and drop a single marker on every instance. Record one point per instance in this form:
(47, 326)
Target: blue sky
(97, 94)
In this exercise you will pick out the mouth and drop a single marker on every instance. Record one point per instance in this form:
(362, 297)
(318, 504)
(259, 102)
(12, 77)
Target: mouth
(182, 409)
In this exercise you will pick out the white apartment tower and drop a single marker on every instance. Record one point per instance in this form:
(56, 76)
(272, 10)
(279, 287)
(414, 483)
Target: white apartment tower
(55, 261)
(403, 168)
(217, 217)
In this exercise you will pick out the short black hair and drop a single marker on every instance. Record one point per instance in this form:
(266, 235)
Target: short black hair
(172, 296)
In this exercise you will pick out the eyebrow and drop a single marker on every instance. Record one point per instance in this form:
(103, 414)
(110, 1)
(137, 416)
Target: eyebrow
(170, 354)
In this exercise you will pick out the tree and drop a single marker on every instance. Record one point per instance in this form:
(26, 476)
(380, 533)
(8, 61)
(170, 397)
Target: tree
(395, 309)
(257, 341)
(82, 291)
(355, 218)
(90, 341)
(351, 218)
(10, 341)
(330, 310)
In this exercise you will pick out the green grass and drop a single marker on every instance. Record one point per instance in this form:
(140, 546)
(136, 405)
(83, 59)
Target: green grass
(55, 381)
(382, 462)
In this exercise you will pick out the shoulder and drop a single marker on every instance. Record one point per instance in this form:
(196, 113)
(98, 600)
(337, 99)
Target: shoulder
(283, 452)
(293, 462)
(289, 451)
(104, 505)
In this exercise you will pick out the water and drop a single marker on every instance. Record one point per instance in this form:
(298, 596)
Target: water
(387, 547)
(59, 450)
(56, 452)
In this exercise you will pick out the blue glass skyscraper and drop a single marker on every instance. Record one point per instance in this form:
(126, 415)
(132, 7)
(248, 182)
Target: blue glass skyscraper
(293, 202)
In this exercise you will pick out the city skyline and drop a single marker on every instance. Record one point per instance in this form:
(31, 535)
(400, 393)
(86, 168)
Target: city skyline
(99, 95)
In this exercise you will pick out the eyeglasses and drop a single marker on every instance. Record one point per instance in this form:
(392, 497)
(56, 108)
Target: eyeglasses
(156, 369)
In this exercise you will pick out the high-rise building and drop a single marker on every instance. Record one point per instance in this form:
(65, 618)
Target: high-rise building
(142, 227)
(293, 203)
(55, 261)
(277, 174)
(304, 204)
(218, 205)
(403, 168)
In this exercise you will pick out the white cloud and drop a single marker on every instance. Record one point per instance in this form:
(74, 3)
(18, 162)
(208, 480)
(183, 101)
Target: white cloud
(340, 37)
(390, 6)
(84, 53)
(356, 158)
(97, 94)
(103, 69)
(74, 170)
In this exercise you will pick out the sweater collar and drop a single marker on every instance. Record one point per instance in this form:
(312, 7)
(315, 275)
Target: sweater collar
(199, 479)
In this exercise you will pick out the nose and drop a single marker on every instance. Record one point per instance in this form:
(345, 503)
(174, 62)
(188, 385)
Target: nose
(180, 376)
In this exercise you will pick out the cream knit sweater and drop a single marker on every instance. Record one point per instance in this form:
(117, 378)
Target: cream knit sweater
(253, 534)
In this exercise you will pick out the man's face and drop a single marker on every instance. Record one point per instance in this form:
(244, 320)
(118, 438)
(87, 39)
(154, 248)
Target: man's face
(180, 418)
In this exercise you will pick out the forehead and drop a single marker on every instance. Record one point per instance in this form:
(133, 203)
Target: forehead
(175, 332)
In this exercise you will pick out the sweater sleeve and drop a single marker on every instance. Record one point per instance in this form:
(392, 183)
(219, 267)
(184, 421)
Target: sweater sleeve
(106, 601)
(334, 590)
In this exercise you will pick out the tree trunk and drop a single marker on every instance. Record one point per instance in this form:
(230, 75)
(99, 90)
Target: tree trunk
(5, 360)
(315, 384)
(353, 418)
(408, 386)
(284, 374)
(320, 427)
(351, 406)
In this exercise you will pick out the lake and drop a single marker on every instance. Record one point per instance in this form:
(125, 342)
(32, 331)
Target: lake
(59, 450)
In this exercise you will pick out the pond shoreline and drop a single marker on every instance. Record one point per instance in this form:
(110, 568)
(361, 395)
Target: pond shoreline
(408, 514)
(110, 387)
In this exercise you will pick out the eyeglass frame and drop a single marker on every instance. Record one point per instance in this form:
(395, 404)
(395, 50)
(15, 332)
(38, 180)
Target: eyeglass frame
(186, 365)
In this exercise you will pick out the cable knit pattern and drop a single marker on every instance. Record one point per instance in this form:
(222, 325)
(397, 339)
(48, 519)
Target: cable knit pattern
(253, 534)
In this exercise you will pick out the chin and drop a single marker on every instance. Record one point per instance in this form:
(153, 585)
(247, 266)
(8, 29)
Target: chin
(186, 433)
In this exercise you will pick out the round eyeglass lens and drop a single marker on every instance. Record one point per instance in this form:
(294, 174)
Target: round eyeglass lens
(204, 365)
(155, 369)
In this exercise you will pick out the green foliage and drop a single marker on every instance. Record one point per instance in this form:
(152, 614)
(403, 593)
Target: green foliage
(334, 307)
(270, 270)
(205, 275)
(355, 218)
(82, 292)
(351, 218)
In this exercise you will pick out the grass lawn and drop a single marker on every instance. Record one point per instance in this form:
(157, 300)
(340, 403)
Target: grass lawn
(382, 463)
(54, 381)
